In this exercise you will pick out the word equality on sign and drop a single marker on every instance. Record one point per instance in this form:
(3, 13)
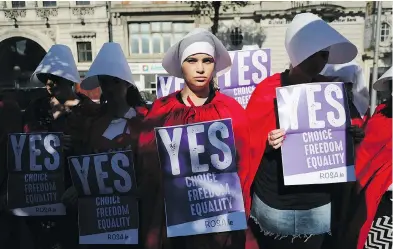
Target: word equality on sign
(36, 171)
(249, 68)
(315, 117)
(202, 188)
(108, 213)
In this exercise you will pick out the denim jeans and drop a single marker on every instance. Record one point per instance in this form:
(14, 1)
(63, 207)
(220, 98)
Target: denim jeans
(295, 223)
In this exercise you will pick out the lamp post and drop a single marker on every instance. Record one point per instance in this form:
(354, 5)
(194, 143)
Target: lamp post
(110, 32)
(376, 57)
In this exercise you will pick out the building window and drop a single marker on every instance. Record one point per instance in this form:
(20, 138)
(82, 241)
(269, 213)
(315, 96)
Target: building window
(18, 4)
(156, 37)
(82, 2)
(49, 3)
(385, 32)
(84, 51)
(299, 4)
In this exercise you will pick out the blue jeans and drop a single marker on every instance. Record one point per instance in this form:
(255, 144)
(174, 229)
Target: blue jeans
(295, 223)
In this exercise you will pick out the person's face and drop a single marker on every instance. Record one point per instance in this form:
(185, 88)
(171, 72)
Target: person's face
(58, 87)
(198, 71)
(314, 64)
(112, 88)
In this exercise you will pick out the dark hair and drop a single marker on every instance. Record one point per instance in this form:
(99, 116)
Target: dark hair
(213, 86)
(387, 110)
(133, 98)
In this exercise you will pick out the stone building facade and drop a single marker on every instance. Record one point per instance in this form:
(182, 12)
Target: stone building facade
(147, 29)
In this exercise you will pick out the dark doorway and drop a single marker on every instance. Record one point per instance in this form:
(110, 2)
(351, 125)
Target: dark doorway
(19, 58)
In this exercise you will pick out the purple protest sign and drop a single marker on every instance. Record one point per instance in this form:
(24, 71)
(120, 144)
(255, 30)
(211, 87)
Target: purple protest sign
(201, 184)
(108, 213)
(249, 68)
(167, 85)
(317, 149)
(35, 163)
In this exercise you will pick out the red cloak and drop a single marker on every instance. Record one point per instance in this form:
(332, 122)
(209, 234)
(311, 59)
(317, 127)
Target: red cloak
(168, 111)
(374, 167)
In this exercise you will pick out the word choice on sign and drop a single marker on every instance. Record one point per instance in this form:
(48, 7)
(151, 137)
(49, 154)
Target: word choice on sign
(187, 144)
(109, 172)
(41, 150)
(319, 99)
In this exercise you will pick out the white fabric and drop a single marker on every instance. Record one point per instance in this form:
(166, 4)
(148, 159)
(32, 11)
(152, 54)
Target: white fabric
(382, 84)
(197, 48)
(117, 126)
(173, 58)
(308, 34)
(60, 62)
(109, 61)
(351, 72)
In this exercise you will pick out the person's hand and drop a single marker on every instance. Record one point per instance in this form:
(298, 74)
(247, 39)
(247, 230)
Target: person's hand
(276, 137)
(67, 142)
(357, 133)
(70, 197)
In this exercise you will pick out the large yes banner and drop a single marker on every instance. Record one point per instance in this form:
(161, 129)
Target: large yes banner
(108, 213)
(35, 174)
(201, 184)
(317, 149)
(249, 68)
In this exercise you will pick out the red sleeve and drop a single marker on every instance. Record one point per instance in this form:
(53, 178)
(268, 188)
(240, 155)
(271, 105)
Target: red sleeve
(262, 118)
(374, 167)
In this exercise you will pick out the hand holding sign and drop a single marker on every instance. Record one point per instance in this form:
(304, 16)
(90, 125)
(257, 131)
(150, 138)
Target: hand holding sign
(315, 118)
(276, 138)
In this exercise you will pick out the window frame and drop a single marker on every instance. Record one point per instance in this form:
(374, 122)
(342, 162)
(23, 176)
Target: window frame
(18, 3)
(154, 32)
(84, 51)
(49, 6)
(82, 3)
(383, 38)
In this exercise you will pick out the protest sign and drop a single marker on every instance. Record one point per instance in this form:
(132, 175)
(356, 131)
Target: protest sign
(167, 85)
(249, 68)
(35, 174)
(201, 185)
(108, 213)
(316, 149)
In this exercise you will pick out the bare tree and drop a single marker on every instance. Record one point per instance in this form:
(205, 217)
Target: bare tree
(215, 6)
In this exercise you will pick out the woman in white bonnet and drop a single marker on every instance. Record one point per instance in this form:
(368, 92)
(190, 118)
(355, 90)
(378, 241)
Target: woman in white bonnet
(197, 58)
(292, 217)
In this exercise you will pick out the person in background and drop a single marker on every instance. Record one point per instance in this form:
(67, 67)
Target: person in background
(14, 232)
(367, 218)
(292, 217)
(117, 125)
(352, 73)
(197, 58)
(62, 110)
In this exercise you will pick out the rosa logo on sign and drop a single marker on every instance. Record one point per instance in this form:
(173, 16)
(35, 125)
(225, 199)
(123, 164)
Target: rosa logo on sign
(315, 117)
(108, 213)
(35, 180)
(202, 187)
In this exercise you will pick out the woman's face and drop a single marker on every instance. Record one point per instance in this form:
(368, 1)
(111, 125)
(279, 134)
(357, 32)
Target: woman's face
(112, 88)
(314, 64)
(58, 87)
(198, 71)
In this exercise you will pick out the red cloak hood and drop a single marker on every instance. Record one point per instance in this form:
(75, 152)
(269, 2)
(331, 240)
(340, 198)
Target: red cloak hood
(168, 111)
